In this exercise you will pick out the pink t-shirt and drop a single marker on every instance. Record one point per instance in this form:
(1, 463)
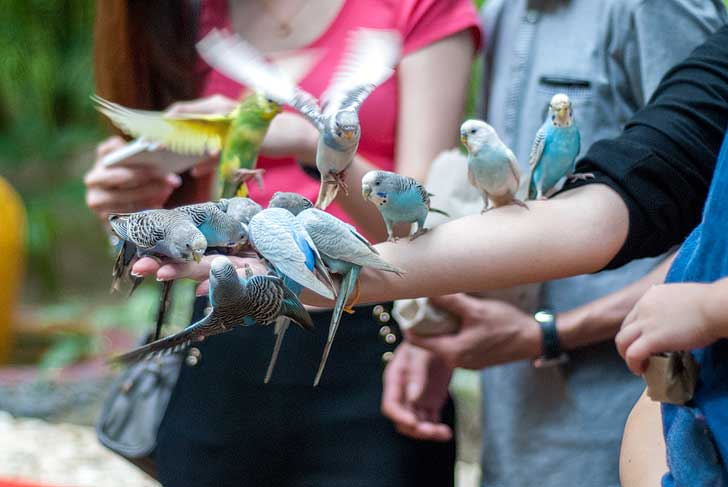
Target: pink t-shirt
(421, 22)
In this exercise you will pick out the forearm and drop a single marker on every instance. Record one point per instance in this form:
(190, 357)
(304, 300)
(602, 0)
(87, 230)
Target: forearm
(715, 307)
(574, 233)
(601, 319)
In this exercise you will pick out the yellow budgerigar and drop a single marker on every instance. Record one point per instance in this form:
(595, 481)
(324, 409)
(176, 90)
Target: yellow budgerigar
(238, 135)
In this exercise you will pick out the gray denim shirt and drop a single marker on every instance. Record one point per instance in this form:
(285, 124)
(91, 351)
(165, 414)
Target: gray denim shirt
(562, 426)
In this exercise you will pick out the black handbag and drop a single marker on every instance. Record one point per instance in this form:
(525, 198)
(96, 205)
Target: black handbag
(134, 408)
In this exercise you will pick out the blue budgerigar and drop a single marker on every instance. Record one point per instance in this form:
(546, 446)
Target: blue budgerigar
(370, 58)
(554, 151)
(400, 199)
(344, 250)
(492, 167)
(235, 301)
(219, 228)
(240, 208)
(284, 243)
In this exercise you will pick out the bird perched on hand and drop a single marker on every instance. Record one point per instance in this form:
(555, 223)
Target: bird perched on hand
(219, 228)
(240, 208)
(238, 135)
(554, 151)
(166, 234)
(235, 301)
(492, 167)
(344, 251)
(400, 199)
(369, 61)
(291, 253)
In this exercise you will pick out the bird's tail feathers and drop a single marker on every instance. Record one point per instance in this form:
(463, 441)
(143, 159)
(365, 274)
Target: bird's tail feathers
(281, 326)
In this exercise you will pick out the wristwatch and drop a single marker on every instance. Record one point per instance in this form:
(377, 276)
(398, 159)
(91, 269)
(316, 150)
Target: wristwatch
(551, 353)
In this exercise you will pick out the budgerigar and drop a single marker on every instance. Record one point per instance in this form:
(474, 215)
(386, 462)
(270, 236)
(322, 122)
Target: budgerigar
(344, 250)
(238, 135)
(235, 301)
(219, 228)
(166, 234)
(492, 167)
(242, 209)
(284, 243)
(554, 151)
(400, 199)
(369, 61)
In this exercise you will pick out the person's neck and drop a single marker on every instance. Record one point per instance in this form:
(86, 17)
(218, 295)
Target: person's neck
(279, 25)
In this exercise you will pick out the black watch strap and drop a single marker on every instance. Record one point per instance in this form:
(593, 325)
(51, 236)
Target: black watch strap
(551, 348)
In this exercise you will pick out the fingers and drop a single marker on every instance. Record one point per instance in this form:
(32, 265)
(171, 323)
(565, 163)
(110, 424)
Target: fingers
(637, 354)
(444, 346)
(109, 145)
(459, 304)
(203, 288)
(206, 167)
(146, 266)
(394, 405)
(120, 177)
(626, 336)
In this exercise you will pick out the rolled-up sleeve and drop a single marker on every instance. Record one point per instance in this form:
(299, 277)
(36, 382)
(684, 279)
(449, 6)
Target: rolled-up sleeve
(663, 162)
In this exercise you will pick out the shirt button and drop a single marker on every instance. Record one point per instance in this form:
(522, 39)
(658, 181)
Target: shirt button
(532, 16)
(384, 331)
(193, 357)
(387, 356)
(378, 309)
(390, 338)
(384, 317)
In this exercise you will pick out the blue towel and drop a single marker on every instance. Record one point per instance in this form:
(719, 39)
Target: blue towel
(696, 434)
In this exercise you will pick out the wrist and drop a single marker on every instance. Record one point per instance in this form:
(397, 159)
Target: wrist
(570, 326)
(714, 308)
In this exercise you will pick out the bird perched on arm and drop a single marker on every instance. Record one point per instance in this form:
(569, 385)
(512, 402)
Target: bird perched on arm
(219, 228)
(492, 167)
(369, 61)
(400, 199)
(291, 253)
(344, 251)
(554, 151)
(235, 301)
(238, 135)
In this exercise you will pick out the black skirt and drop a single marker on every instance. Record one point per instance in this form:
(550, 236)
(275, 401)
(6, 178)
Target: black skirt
(224, 427)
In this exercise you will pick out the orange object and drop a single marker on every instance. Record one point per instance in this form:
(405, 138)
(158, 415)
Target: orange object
(12, 259)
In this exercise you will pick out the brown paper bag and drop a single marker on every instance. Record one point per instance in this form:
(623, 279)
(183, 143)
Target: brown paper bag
(671, 377)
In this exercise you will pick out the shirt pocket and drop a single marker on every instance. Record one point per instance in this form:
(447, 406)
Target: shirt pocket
(579, 89)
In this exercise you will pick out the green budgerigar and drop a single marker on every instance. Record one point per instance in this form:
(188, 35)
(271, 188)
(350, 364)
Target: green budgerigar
(238, 135)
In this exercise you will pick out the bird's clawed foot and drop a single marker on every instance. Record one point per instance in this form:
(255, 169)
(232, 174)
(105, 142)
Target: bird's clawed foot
(349, 308)
(520, 203)
(419, 233)
(341, 183)
(580, 176)
(241, 176)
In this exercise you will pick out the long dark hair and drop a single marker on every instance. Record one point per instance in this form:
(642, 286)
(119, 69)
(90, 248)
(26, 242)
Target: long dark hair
(144, 57)
(144, 52)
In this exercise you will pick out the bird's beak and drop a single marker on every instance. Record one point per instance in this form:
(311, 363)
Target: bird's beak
(464, 140)
(366, 190)
(197, 256)
(348, 134)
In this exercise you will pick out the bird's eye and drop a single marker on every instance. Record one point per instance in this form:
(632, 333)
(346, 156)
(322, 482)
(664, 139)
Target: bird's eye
(472, 131)
(376, 184)
(189, 246)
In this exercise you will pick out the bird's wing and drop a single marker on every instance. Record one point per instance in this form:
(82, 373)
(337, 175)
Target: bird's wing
(369, 60)
(513, 162)
(188, 134)
(294, 309)
(206, 327)
(537, 148)
(274, 241)
(240, 61)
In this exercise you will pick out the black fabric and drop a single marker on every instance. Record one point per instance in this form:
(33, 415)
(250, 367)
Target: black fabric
(224, 427)
(663, 162)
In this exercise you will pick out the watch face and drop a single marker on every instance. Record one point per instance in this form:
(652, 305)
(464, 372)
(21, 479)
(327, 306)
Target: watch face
(544, 316)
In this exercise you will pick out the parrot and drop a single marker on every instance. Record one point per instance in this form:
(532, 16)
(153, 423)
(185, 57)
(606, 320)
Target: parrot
(400, 199)
(284, 243)
(369, 60)
(238, 135)
(344, 251)
(554, 151)
(242, 209)
(219, 228)
(234, 300)
(492, 167)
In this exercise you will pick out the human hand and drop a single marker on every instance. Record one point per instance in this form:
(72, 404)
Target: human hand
(147, 266)
(669, 317)
(122, 189)
(491, 332)
(415, 390)
(291, 135)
